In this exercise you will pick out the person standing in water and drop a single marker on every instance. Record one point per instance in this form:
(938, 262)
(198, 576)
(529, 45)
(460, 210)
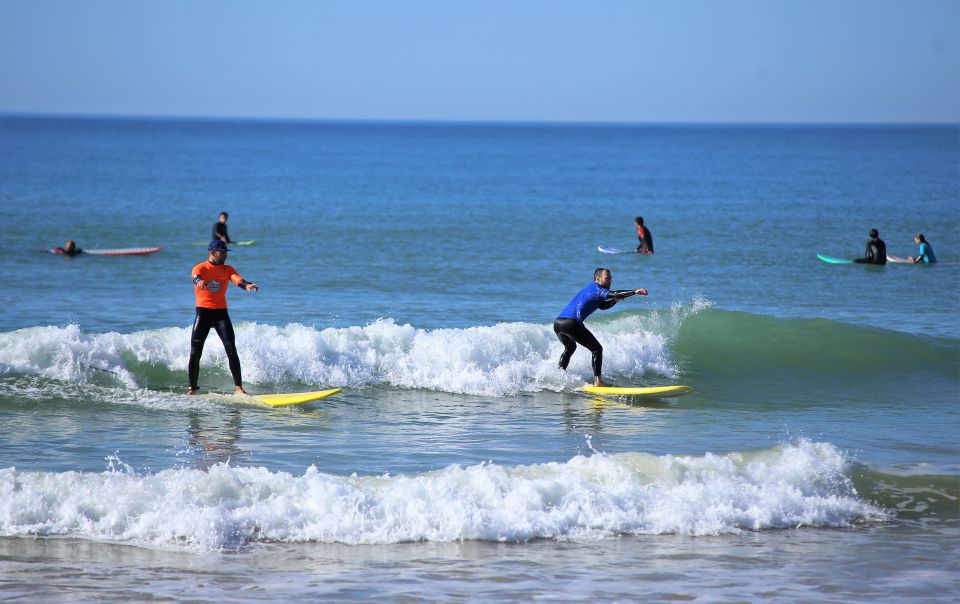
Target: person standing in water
(644, 236)
(220, 228)
(876, 252)
(924, 252)
(569, 325)
(210, 281)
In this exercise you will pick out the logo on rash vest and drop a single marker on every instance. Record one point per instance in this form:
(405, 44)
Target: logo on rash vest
(213, 286)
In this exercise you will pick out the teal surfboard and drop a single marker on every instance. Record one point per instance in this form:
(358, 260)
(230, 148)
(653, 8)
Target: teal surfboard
(832, 260)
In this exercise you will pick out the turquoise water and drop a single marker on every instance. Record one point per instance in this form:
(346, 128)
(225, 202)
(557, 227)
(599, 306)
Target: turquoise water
(420, 266)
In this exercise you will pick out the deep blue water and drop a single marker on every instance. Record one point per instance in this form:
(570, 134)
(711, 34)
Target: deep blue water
(420, 267)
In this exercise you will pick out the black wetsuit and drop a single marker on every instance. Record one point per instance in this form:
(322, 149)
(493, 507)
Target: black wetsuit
(220, 230)
(572, 332)
(218, 319)
(876, 252)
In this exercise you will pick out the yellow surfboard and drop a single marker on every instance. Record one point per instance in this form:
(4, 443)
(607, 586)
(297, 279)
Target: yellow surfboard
(296, 398)
(279, 400)
(655, 391)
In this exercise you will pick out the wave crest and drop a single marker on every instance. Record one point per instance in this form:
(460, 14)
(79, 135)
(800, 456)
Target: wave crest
(800, 484)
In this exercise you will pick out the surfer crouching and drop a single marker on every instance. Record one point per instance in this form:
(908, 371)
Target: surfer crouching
(569, 325)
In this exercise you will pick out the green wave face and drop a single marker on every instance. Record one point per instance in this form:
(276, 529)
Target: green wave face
(770, 362)
(921, 498)
(736, 345)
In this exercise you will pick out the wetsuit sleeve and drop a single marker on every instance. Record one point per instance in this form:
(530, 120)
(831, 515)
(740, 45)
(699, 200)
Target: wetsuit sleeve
(614, 296)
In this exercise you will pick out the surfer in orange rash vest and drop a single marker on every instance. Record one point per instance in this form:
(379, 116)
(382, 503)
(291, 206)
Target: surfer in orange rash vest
(210, 281)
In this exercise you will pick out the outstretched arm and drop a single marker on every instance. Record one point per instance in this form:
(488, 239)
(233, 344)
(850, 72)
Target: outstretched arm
(620, 294)
(615, 295)
(243, 283)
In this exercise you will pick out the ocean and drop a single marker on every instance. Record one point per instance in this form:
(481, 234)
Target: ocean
(419, 266)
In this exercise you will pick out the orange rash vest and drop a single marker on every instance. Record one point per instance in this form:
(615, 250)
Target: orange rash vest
(217, 278)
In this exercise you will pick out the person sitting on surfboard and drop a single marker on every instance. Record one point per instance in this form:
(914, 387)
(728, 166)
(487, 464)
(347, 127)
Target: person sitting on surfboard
(644, 236)
(569, 325)
(220, 228)
(210, 281)
(69, 249)
(876, 252)
(925, 252)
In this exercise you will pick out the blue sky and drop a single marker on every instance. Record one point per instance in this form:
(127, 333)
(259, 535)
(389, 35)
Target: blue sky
(540, 60)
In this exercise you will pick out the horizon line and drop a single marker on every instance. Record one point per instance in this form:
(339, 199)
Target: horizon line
(443, 121)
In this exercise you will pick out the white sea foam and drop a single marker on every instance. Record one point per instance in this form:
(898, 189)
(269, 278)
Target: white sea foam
(489, 360)
(599, 496)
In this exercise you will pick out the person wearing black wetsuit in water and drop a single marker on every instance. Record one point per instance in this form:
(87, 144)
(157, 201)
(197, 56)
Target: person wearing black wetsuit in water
(220, 228)
(69, 249)
(876, 252)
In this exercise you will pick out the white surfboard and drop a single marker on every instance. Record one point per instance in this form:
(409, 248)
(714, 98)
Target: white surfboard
(603, 249)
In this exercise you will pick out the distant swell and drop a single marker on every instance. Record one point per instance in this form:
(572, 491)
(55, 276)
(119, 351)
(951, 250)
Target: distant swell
(790, 486)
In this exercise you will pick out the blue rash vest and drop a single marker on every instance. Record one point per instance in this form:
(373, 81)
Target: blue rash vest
(585, 302)
(926, 252)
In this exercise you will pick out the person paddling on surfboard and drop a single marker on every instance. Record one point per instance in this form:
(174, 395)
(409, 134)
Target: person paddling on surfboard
(876, 252)
(210, 282)
(569, 325)
(220, 228)
(644, 236)
(69, 249)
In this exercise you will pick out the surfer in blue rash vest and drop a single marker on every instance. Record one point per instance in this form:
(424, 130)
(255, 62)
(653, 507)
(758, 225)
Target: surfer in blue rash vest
(569, 325)
(925, 251)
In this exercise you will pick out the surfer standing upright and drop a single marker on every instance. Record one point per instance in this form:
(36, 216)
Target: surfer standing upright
(210, 281)
(569, 325)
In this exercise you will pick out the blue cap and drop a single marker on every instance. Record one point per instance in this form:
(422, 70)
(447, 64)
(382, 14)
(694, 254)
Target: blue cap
(217, 245)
